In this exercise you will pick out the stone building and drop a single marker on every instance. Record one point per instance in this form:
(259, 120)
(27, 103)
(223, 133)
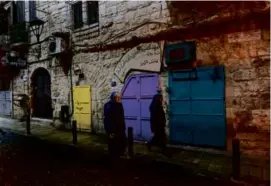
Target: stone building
(132, 44)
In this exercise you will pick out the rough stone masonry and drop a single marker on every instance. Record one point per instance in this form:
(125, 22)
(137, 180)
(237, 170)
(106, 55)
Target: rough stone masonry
(246, 59)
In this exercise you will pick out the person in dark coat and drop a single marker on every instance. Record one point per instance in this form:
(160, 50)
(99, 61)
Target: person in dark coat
(158, 123)
(114, 125)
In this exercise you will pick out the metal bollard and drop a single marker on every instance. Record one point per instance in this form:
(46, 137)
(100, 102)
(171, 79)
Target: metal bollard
(236, 159)
(28, 130)
(74, 132)
(130, 142)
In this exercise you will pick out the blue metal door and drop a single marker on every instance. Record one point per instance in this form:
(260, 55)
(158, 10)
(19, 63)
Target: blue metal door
(197, 107)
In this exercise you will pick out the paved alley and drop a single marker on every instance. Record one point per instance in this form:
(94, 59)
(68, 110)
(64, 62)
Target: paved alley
(27, 161)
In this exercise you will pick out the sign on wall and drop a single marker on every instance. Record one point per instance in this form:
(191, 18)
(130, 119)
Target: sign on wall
(140, 58)
(12, 59)
(180, 53)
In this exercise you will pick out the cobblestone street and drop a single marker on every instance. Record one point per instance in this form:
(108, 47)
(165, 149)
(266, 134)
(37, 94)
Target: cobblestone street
(24, 161)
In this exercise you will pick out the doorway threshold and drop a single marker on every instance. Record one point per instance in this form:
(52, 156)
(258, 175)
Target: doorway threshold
(42, 120)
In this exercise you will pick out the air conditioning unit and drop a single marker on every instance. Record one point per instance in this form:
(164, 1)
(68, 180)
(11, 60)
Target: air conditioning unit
(56, 46)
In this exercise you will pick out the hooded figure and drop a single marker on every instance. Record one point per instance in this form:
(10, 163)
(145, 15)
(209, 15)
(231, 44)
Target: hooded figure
(107, 106)
(157, 122)
(114, 125)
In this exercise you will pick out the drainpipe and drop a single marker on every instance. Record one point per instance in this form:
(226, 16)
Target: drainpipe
(12, 98)
(71, 89)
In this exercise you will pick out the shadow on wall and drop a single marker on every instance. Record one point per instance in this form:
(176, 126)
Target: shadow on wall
(191, 13)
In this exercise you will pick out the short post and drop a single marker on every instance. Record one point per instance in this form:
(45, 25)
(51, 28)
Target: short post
(74, 132)
(236, 159)
(28, 130)
(130, 142)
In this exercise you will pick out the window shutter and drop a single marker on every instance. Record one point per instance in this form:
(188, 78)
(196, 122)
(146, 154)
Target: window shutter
(93, 11)
(77, 15)
(32, 10)
(21, 11)
(14, 13)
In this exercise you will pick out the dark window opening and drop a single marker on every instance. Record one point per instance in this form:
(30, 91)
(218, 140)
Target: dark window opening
(18, 12)
(4, 20)
(14, 13)
(32, 10)
(4, 84)
(93, 11)
(77, 15)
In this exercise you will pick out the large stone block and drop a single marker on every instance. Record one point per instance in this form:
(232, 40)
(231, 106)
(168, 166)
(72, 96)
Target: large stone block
(263, 71)
(263, 51)
(245, 75)
(261, 119)
(254, 143)
(266, 34)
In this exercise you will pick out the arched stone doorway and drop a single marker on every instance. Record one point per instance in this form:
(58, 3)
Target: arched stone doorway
(41, 92)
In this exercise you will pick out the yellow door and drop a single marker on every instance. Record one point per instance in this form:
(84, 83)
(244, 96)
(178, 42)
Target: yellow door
(82, 106)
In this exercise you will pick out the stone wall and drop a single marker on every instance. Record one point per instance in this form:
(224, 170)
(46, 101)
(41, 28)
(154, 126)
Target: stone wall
(19, 87)
(119, 21)
(246, 63)
(99, 72)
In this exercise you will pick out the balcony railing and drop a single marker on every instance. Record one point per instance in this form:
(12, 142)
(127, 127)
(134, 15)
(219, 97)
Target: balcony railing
(19, 33)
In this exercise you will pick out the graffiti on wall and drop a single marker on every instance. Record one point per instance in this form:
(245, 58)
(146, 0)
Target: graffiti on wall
(139, 59)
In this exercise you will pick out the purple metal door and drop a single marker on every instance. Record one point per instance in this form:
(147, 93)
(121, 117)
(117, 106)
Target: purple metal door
(130, 103)
(137, 95)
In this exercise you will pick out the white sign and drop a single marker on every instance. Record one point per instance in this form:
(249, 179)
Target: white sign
(244, 36)
(139, 59)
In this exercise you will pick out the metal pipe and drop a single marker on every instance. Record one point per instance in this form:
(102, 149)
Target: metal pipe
(71, 89)
(28, 118)
(12, 98)
(74, 132)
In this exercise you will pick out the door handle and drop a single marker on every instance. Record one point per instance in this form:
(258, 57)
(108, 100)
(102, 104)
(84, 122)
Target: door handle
(79, 108)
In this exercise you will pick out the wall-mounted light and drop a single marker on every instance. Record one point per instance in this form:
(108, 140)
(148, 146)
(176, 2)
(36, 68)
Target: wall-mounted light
(13, 54)
(77, 70)
(36, 26)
